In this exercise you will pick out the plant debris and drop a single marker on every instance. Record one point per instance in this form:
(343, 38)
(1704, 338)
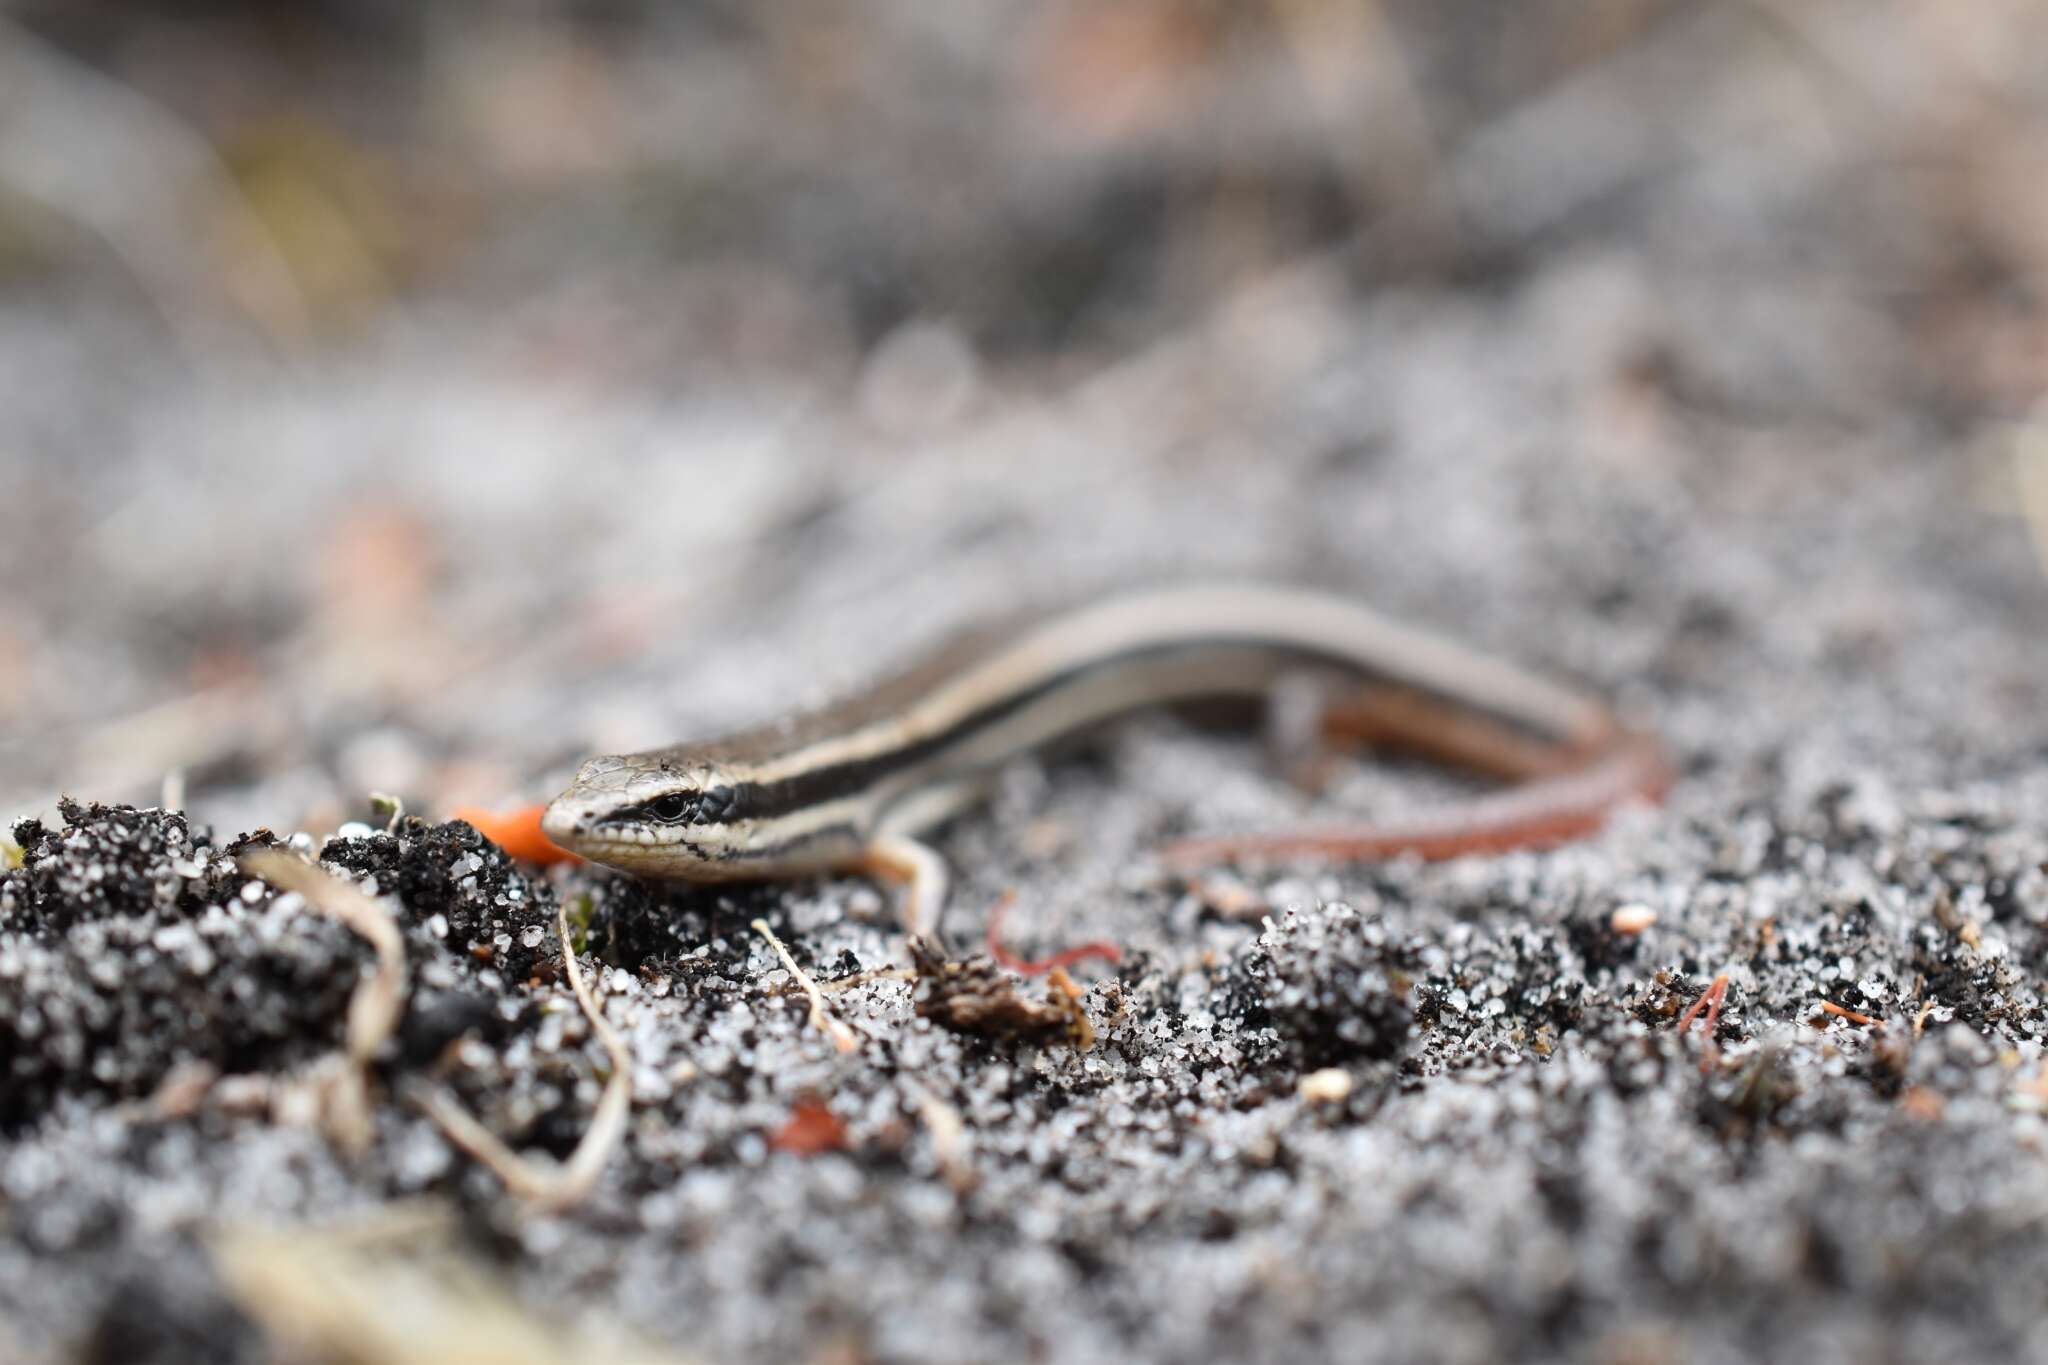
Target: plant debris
(977, 997)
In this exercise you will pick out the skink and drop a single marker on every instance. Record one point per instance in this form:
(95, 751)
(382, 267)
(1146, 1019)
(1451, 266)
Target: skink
(849, 787)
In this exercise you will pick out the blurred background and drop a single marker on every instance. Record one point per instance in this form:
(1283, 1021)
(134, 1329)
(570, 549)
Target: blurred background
(414, 398)
(419, 398)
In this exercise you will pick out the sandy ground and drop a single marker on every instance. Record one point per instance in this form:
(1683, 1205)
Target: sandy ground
(1727, 463)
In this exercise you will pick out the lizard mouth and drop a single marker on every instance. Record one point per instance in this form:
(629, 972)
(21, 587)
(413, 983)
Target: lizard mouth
(589, 833)
(627, 846)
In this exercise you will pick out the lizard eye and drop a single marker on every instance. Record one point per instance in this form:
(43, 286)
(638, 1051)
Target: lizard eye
(674, 808)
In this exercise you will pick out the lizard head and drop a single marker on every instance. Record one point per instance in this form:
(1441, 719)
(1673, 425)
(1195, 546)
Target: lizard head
(655, 815)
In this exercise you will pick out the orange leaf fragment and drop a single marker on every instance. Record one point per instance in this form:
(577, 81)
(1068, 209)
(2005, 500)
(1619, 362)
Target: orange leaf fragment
(517, 832)
(810, 1129)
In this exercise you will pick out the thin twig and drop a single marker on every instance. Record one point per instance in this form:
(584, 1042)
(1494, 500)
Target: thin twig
(821, 1019)
(1066, 993)
(378, 1002)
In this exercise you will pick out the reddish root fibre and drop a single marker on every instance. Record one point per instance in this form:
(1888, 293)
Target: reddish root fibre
(1853, 1016)
(1066, 957)
(1710, 1000)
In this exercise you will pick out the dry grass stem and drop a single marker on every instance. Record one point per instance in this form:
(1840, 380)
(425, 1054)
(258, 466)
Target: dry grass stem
(378, 1002)
(949, 1136)
(374, 1010)
(390, 1290)
(842, 1037)
(541, 1182)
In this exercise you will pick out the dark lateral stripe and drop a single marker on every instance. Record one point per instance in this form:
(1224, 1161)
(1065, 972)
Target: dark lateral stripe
(757, 800)
(836, 830)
